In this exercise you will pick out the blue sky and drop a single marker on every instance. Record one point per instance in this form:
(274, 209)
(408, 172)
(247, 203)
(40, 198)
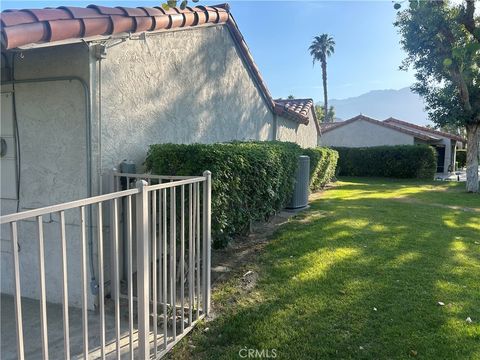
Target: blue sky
(367, 53)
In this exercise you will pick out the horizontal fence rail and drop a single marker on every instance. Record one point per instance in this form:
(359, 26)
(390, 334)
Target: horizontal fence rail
(151, 239)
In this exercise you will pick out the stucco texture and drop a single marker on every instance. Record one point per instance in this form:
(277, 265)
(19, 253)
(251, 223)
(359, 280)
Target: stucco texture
(362, 134)
(304, 135)
(181, 87)
(53, 166)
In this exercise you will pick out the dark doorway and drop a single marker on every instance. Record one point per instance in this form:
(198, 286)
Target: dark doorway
(440, 159)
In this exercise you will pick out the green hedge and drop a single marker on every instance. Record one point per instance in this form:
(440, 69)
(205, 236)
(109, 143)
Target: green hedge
(250, 180)
(462, 158)
(323, 162)
(400, 161)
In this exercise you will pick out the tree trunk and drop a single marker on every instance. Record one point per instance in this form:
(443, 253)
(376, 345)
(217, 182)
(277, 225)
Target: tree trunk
(325, 97)
(473, 139)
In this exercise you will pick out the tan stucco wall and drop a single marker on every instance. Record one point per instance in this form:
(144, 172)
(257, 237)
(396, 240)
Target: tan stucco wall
(304, 135)
(363, 133)
(181, 87)
(52, 133)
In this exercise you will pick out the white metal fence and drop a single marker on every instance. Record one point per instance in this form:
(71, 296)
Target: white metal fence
(163, 290)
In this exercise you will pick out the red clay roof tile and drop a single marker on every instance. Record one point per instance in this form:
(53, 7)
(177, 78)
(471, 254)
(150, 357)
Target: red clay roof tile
(393, 121)
(14, 17)
(64, 29)
(297, 107)
(81, 13)
(331, 126)
(49, 14)
(97, 26)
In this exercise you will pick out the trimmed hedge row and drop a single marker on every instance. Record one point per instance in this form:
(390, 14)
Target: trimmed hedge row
(323, 162)
(250, 180)
(461, 158)
(400, 161)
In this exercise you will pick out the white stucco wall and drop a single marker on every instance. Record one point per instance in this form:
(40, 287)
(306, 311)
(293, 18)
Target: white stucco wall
(53, 166)
(180, 87)
(304, 135)
(362, 133)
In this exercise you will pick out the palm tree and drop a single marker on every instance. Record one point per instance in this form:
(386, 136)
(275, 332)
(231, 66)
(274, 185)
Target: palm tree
(322, 47)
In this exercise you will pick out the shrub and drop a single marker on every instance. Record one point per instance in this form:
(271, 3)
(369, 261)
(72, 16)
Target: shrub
(400, 161)
(462, 158)
(323, 162)
(250, 180)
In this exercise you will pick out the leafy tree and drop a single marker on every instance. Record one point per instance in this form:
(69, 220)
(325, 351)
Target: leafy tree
(322, 47)
(173, 3)
(319, 113)
(290, 97)
(331, 114)
(442, 41)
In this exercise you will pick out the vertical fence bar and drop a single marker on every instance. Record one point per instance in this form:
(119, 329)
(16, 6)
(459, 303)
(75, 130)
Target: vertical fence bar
(173, 261)
(18, 298)
(160, 251)
(66, 327)
(197, 185)
(84, 282)
(130, 274)
(182, 259)
(190, 254)
(194, 246)
(207, 237)
(101, 281)
(142, 270)
(154, 269)
(164, 272)
(116, 277)
(43, 296)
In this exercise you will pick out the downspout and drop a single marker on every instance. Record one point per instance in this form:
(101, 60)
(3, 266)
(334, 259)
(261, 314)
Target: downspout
(86, 91)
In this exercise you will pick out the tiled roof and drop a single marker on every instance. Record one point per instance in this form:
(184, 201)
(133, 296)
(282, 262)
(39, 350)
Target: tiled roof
(417, 134)
(414, 127)
(23, 28)
(297, 109)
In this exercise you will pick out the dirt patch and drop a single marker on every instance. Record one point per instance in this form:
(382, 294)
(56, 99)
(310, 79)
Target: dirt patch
(241, 250)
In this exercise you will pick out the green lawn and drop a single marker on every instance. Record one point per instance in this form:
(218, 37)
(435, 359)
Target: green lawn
(359, 276)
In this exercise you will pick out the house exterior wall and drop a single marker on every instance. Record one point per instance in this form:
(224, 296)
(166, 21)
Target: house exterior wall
(364, 134)
(53, 165)
(304, 135)
(179, 87)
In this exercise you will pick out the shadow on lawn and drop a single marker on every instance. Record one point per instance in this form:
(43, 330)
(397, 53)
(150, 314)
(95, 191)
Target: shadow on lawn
(320, 284)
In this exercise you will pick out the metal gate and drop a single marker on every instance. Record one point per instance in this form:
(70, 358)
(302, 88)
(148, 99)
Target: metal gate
(164, 224)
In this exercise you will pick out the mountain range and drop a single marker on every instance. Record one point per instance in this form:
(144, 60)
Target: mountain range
(402, 104)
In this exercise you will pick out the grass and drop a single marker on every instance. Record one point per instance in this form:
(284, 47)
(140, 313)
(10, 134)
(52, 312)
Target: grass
(359, 276)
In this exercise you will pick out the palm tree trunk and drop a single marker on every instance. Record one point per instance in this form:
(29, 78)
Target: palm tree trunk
(473, 139)
(325, 97)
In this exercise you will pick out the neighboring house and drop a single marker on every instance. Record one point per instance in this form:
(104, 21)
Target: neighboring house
(362, 131)
(84, 88)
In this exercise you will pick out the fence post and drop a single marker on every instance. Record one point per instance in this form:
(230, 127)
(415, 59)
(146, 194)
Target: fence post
(207, 238)
(141, 221)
